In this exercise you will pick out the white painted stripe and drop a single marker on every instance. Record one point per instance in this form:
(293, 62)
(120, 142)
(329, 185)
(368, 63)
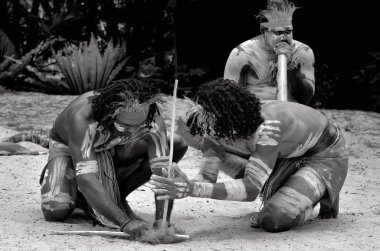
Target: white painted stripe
(264, 140)
(163, 143)
(57, 175)
(254, 160)
(84, 167)
(157, 145)
(236, 190)
(272, 121)
(256, 173)
(271, 128)
(312, 177)
(270, 133)
(202, 190)
(88, 140)
(291, 201)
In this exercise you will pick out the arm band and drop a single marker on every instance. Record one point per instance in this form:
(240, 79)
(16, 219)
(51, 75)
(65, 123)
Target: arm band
(202, 190)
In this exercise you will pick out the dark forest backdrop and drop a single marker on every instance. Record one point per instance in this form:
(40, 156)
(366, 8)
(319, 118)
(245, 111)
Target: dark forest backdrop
(42, 44)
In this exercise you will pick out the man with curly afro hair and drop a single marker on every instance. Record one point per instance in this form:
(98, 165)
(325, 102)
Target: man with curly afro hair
(103, 146)
(288, 153)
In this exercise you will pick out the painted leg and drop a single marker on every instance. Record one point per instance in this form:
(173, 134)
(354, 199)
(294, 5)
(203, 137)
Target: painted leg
(293, 203)
(59, 189)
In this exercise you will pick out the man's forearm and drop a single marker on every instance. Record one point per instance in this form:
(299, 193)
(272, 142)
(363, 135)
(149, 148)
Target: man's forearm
(305, 91)
(235, 190)
(100, 200)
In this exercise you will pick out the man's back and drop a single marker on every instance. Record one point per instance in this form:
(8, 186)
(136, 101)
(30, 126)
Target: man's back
(300, 126)
(78, 110)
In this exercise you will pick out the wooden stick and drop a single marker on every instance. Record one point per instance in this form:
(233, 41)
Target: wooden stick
(105, 234)
(92, 233)
(4, 153)
(171, 149)
(282, 86)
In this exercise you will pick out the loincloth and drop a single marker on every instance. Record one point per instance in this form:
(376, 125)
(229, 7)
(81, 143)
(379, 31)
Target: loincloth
(106, 176)
(329, 158)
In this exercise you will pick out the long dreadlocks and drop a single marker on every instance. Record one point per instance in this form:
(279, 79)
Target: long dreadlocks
(229, 110)
(119, 93)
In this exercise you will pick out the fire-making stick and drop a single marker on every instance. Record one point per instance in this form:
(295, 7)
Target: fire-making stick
(171, 148)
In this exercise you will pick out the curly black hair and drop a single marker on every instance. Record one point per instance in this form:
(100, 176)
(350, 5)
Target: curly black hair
(117, 94)
(232, 112)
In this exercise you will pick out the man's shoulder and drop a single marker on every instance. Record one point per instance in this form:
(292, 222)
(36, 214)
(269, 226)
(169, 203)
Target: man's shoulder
(300, 44)
(302, 49)
(288, 112)
(80, 114)
(250, 44)
(283, 111)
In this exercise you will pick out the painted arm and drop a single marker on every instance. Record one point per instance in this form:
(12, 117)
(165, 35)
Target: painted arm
(210, 163)
(86, 168)
(258, 169)
(238, 67)
(303, 84)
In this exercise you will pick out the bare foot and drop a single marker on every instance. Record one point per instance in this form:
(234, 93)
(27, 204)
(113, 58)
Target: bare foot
(253, 222)
(328, 211)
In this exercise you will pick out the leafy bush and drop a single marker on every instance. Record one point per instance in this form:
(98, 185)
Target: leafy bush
(6, 46)
(85, 69)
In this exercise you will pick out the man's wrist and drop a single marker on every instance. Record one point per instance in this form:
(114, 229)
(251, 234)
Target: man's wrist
(201, 190)
(124, 224)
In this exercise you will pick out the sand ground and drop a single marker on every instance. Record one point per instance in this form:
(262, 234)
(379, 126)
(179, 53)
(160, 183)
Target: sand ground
(212, 225)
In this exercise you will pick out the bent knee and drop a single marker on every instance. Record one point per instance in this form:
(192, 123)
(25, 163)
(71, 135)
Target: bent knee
(56, 208)
(273, 219)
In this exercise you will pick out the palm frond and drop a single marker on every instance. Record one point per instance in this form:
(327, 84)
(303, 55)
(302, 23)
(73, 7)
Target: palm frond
(84, 67)
(7, 48)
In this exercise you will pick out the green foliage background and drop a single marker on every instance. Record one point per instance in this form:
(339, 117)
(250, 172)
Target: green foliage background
(158, 40)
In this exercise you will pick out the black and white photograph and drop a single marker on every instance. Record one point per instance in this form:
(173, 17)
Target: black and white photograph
(189, 125)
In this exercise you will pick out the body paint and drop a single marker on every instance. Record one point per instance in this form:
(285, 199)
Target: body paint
(84, 167)
(269, 133)
(236, 190)
(257, 172)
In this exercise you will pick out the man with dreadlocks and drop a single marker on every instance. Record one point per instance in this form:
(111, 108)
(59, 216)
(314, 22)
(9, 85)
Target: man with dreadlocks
(289, 153)
(253, 63)
(103, 146)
